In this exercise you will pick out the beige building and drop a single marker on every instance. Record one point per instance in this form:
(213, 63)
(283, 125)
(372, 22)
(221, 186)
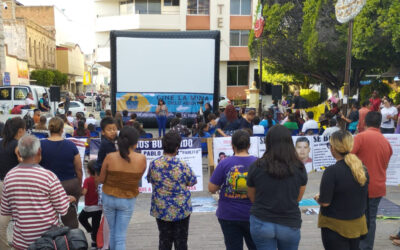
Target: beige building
(71, 61)
(233, 18)
(28, 47)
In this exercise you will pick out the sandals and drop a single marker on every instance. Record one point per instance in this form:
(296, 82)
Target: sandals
(396, 242)
(394, 237)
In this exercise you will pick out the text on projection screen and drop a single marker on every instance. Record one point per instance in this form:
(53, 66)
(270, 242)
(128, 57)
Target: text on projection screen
(165, 65)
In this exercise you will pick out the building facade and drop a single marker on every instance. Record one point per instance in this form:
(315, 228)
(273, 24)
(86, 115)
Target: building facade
(28, 46)
(233, 18)
(71, 61)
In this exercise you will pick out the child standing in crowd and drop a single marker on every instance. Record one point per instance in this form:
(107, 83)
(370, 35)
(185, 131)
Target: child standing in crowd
(91, 209)
(107, 145)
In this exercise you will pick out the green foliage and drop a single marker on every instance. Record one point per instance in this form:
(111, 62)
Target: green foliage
(395, 96)
(367, 90)
(47, 78)
(303, 38)
(313, 97)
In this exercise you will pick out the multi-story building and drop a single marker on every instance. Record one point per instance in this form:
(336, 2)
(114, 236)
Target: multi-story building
(28, 46)
(233, 18)
(71, 61)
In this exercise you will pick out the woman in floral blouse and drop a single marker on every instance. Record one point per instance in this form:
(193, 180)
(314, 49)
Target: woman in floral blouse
(170, 201)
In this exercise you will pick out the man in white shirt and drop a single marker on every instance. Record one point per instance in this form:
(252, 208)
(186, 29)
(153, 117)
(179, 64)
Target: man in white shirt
(29, 100)
(70, 118)
(91, 120)
(389, 115)
(310, 123)
(332, 128)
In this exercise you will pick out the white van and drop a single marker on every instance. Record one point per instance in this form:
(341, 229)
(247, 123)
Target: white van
(11, 96)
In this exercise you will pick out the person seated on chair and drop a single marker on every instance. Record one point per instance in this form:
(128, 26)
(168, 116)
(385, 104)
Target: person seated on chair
(140, 129)
(42, 123)
(67, 128)
(29, 102)
(332, 128)
(36, 116)
(291, 123)
(176, 126)
(310, 123)
(81, 131)
(44, 103)
(257, 128)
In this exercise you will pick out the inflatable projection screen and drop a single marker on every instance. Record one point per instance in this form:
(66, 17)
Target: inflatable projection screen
(181, 68)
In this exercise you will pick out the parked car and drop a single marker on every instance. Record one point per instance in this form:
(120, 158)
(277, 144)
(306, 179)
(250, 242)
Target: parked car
(90, 98)
(74, 107)
(11, 96)
(80, 97)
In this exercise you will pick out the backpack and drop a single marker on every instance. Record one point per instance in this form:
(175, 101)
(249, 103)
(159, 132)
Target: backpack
(60, 238)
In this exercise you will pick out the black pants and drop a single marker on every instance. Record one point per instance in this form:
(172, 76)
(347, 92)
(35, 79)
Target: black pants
(84, 220)
(175, 232)
(334, 241)
(387, 130)
(234, 232)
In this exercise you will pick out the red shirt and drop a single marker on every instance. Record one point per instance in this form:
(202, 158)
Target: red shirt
(361, 121)
(91, 197)
(87, 133)
(375, 104)
(374, 151)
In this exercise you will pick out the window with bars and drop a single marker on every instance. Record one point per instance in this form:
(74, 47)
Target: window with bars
(238, 73)
(126, 7)
(171, 2)
(198, 7)
(239, 38)
(148, 6)
(241, 7)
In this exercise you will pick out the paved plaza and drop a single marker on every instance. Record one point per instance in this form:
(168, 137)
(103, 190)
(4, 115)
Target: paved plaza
(205, 232)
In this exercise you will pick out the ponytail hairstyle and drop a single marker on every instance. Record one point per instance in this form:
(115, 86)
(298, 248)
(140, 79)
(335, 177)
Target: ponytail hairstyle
(11, 128)
(342, 142)
(128, 137)
(81, 130)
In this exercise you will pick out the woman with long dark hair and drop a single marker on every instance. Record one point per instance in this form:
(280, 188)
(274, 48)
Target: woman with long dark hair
(13, 130)
(161, 115)
(234, 205)
(276, 183)
(343, 196)
(121, 173)
(81, 131)
(228, 122)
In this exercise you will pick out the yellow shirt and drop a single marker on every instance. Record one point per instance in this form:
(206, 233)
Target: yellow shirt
(350, 229)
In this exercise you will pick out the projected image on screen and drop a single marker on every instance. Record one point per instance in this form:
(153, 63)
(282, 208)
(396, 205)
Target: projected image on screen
(181, 68)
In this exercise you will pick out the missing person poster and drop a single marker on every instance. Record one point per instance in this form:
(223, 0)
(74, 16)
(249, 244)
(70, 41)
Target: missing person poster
(222, 148)
(322, 156)
(304, 147)
(393, 170)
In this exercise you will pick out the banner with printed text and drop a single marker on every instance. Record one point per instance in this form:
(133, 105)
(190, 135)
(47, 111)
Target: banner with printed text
(189, 152)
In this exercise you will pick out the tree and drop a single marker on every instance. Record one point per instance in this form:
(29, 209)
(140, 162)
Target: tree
(43, 77)
(60, 78)
(303, 39)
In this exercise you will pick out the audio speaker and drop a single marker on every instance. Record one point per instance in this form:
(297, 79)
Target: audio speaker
(54, 93)
(276, 92)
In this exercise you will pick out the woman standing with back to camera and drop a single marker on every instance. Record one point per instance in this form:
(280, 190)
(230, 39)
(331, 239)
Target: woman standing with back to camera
(276, 183)
(343, 197)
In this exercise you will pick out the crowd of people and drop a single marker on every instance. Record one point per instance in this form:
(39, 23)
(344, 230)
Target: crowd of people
(41, 180)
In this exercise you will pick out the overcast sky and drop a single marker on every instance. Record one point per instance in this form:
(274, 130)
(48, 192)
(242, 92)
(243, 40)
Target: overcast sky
(81, 12)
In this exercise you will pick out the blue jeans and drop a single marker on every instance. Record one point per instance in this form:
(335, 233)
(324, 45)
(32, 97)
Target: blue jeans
(118, 212)
(368, 242)
(162, 122)
(234, 232)
(270, 236)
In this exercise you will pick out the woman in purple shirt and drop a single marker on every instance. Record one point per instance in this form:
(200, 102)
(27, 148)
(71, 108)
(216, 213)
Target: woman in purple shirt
(230, 177)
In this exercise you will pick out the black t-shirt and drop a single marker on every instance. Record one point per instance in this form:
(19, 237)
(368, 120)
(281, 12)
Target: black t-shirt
(8, 158)
(354, 116)
(106, 147)
(245, 124)
(276, 199)
(300, 102)
(226, 125)
(346, 197)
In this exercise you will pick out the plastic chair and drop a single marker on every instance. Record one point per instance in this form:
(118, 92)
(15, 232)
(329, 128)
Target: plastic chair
(294, 132)
(68, 135)
(312, 131)
(40, 135)
(94, 134)
(98, 129)
(148, 135)
(259, 135)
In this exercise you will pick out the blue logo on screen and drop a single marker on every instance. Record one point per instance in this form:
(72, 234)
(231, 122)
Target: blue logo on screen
(132, 104)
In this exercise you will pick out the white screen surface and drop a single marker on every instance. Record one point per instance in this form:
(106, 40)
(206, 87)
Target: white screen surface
(165, 65)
